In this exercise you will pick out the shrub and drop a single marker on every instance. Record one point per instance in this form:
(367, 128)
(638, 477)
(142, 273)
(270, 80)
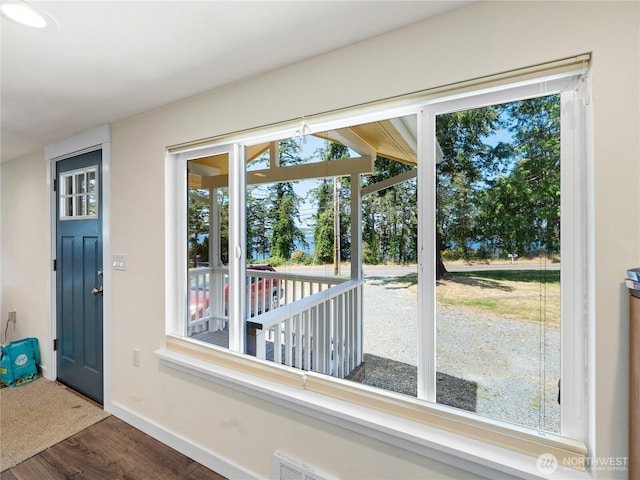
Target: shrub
(274, 261)
(452, 255)
(369, 256)
(298, 256)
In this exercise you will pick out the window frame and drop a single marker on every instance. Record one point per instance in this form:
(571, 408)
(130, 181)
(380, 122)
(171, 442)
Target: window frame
(373, 411)
(573, 242)
(70, 177)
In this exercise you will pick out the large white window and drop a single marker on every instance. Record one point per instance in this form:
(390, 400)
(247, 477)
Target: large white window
(430, 251)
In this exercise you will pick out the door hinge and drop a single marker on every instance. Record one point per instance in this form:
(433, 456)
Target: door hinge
(55, 265)
(55, 184)
(55, 344)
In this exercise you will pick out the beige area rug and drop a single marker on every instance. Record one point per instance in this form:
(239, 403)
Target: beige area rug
(37, 415)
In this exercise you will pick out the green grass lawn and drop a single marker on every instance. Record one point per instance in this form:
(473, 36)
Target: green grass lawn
(536, 276)
(527, 295)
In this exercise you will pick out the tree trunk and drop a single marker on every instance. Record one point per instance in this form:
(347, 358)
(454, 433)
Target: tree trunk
(441, 271)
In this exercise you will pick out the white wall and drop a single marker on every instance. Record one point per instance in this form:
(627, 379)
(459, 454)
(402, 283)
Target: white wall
(480, 40)
(25, 271)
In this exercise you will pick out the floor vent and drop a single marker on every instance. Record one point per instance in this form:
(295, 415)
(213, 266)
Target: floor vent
(286, 468)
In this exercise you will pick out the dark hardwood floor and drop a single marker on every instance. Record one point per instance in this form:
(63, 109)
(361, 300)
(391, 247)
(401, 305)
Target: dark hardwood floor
(110, 449)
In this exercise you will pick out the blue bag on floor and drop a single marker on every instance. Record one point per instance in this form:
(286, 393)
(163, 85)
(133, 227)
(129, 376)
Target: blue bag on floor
(19, 362)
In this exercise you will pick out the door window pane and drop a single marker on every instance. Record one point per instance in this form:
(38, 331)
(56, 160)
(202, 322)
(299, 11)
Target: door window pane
(80, 205)
(80, 182)
(67, 181)
(67, 210)
(91, 205)
(91, 179)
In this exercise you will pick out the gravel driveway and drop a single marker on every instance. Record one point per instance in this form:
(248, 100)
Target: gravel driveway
(484, 363)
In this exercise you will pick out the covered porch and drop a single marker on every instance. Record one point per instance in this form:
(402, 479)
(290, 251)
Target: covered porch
(306, 321)
(303, 321)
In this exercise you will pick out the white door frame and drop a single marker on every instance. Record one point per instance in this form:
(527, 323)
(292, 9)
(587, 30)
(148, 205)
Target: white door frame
(98, 138)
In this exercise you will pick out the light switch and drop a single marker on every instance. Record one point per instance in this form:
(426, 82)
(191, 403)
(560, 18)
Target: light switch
(119, 262)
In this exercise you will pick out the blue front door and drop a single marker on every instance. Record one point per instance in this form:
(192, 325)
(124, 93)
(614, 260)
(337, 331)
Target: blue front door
(79, 274)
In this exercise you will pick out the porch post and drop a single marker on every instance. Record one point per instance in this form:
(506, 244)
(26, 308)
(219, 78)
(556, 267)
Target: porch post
(214, 229)
(356, 228)
(356, 260)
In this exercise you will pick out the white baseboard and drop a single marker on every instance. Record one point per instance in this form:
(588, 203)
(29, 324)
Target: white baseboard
(183, 445)
(46, 373)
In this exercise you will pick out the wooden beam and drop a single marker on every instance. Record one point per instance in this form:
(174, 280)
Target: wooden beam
(198, 197)
(389, 182)
(309, 171)
(405, 132)
(355, 142)
(274, 155)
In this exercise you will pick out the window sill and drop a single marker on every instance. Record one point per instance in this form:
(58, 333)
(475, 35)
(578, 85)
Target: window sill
(451, 436)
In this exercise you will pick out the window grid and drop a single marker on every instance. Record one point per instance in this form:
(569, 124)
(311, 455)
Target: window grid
(79, 194)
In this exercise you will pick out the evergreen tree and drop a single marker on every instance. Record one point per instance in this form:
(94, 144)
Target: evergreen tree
(323, 231)
(283, 214)
(389, 216)
(325, 198)
(461, 175)
(258, 243)
(521, 209)
(505, 197)
(198, 226)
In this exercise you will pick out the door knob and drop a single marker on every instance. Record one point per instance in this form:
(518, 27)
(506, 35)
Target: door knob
(97, 291)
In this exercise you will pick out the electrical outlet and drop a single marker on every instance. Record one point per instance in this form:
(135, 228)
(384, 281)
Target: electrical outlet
(12, 316)
(136, 357)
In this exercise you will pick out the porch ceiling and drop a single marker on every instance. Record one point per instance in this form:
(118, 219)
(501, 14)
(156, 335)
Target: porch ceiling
(394, 139)
(221, 162)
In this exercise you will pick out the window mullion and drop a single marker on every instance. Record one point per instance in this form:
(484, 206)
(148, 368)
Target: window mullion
(237, 242)
(426, 256)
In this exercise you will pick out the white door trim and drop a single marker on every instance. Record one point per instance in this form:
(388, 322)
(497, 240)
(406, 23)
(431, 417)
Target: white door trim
(94, 139)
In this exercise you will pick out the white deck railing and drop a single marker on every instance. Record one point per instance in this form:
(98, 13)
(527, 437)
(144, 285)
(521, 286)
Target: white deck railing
(321, 332)
(200, 301)
(266, 290)
(304, 321)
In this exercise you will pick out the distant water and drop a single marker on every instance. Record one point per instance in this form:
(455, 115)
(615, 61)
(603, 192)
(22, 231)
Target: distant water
(306, 249)
(310, 244)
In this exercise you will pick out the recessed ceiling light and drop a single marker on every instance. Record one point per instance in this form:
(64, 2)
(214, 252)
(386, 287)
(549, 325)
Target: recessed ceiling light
(27, 15)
